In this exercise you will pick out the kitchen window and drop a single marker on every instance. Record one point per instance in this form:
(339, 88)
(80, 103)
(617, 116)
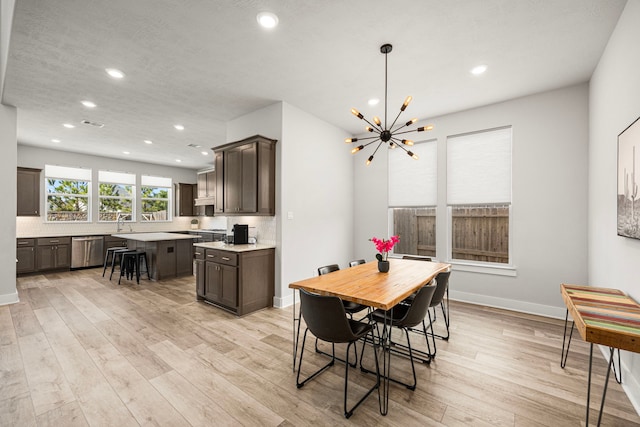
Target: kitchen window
(116, 196)
(412, 199)
(155, 196)
(479, 196)
(68, 194)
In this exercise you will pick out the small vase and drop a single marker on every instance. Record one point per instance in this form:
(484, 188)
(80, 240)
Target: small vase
(383, 266)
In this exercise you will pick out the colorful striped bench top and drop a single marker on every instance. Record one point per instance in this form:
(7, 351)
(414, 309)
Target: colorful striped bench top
(604, 316)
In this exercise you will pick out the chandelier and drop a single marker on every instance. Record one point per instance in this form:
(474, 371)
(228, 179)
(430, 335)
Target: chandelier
(387, 134)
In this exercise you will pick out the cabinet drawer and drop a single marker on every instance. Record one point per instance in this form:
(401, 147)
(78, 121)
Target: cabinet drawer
(25, 242)
(222, 257)
(198, 253)
(54, 241)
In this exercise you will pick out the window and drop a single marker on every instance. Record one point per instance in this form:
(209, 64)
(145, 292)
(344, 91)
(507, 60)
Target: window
(156, 198)
(68, 194)
(412, 199)
(479, 196)
(116, 196)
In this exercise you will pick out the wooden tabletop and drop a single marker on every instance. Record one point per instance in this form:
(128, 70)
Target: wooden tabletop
(364, 284)
(604, 316)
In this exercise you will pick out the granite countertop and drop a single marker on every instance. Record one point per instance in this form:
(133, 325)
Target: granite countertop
(234, 248)
(155, 237)
(107, 233)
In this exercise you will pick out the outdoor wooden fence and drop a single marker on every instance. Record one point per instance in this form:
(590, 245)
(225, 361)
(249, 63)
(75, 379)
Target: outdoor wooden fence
(479, 233)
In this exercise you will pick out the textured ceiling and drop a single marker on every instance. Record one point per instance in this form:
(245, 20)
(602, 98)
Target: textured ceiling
(202, 63)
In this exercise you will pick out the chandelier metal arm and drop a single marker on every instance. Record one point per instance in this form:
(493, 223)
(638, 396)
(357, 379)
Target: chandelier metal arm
(400, 133)
(394, 122)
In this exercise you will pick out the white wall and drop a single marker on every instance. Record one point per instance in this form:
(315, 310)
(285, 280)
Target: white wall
(8, 129)
(549, 199)
(313, 182)
(614, 104)
(33, 157)
(317, 197)
(6, 19)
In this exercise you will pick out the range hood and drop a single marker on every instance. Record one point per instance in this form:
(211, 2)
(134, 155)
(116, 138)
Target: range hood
(205, 201)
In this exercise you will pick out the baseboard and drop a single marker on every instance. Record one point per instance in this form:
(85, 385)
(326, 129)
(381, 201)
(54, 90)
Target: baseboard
(630, 383)
(509, 304)
(9, 298)
(283, 302)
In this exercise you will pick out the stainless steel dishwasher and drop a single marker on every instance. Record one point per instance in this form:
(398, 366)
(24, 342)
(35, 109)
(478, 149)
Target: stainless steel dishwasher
(87, 251)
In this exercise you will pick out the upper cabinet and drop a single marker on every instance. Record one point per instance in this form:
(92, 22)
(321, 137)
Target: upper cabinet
(184, 197)
(249, 177)
(28, 192)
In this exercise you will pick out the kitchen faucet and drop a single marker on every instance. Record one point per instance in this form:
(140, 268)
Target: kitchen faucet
(119, 222)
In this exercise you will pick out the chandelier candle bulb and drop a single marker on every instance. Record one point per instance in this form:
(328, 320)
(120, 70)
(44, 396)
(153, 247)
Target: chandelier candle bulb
(355, 150)
(376, 120)
(357, 113)
(369, 160)
(407, 142)
(369, 129)
(350, 140)
(425, 128)
(406, 103)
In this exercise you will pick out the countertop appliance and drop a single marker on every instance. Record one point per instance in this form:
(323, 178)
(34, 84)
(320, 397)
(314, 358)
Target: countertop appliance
(240, 234)
(87, 251)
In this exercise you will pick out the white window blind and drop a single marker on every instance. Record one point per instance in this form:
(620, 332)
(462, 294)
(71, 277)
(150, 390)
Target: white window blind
(479, 167)
(413, 182)
(117, 177)
(155, 181)
(64, 172)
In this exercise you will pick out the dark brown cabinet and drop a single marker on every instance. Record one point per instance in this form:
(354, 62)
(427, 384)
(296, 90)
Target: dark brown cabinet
(240, 182)
(185, 199)
(206, 184)
(53, 253)
(249, 176)
(240, 282)
(26, 256)
(28, 202)
(219, 192)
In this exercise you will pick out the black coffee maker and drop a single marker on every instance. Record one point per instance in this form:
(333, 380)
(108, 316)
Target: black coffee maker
(240, 234)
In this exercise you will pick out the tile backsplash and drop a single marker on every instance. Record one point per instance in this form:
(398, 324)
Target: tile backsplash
(36, 227)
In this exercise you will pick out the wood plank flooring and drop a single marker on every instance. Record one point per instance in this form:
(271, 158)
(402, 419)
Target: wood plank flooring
(80, 350)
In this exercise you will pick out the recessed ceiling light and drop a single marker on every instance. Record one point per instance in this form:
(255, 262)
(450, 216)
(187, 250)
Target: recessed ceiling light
(204, 153)
(55, 140)
(88, 104)
(373, 101)
(477, 70)
(68, 125)
(178, 160)
(267, 19)
(126, 152)
(148, 141)
(115, 73)
(179, 127)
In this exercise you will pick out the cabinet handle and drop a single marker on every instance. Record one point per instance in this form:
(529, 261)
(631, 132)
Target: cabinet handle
(198, 253)
(54, 241)
(226, 258)
(211, 256)
(23, 243)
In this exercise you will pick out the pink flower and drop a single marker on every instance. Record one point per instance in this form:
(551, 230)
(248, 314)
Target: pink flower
(384, 246)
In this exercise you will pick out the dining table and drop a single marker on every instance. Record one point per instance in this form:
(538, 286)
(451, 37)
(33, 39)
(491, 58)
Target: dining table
(364, 284)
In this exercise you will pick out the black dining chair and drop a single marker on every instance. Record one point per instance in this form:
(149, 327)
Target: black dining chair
(356, 262)
(416, 257)
(326, 319)
(349, 307)
(405, 317)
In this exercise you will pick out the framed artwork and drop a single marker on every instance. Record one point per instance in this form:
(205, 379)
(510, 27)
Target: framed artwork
(628, 181)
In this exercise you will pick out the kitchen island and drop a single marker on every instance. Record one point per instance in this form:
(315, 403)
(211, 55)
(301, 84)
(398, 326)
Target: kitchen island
(170, 255)
(236, 278)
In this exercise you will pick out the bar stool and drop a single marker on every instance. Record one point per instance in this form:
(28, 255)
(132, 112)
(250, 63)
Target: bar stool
(116, 259)
(130, 263)
(109, 253)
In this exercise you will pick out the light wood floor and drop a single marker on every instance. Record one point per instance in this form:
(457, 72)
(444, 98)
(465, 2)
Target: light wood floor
(80, 350)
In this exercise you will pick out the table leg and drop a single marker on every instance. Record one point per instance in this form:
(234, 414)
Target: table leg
(606, 383)
(296, 331)
(564, 355)
(386, 361)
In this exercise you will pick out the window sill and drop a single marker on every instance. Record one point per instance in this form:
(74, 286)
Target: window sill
(497, 270)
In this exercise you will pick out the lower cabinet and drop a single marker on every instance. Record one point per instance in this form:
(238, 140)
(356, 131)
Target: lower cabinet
(53, 253)
(26, 256)
(240, 282)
